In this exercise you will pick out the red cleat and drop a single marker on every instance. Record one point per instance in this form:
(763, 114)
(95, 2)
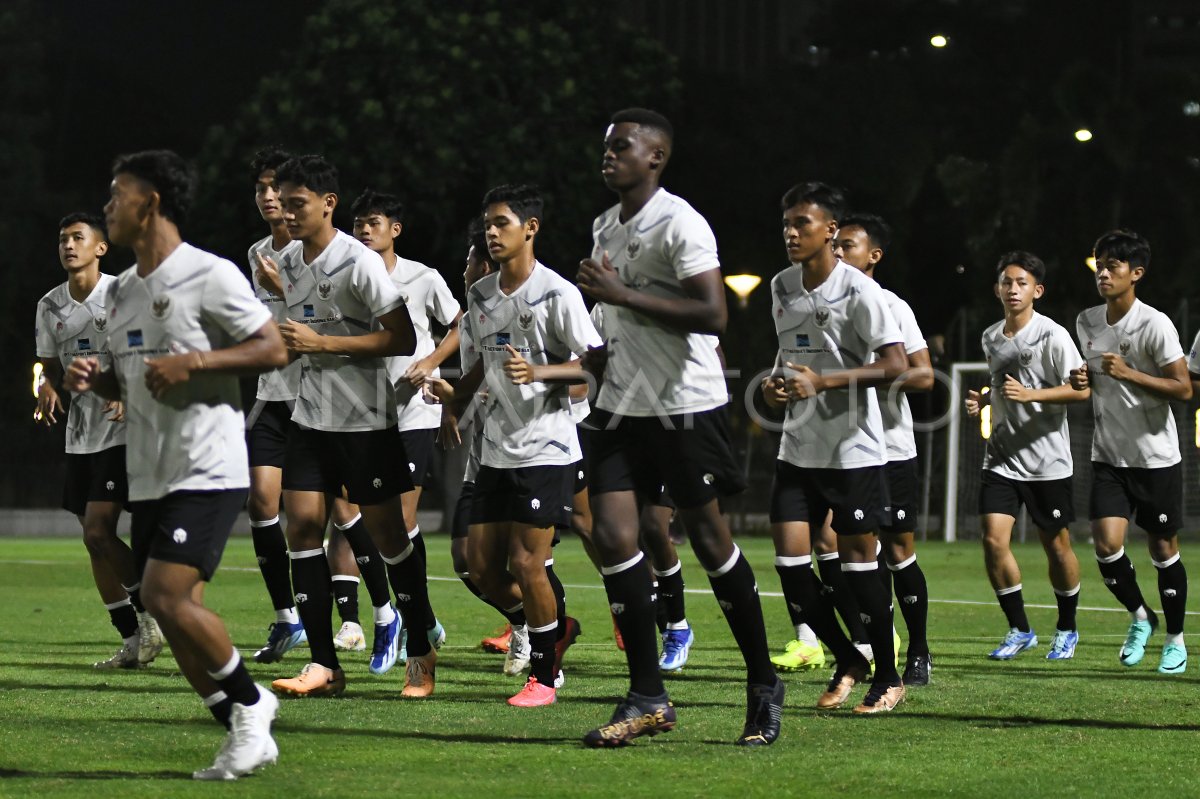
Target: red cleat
(499, 642)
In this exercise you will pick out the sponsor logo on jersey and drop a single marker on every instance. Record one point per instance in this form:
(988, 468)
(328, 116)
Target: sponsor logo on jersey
(160, 307)
(1162, 518)
(801, 339)
(310, 311)
(525, 320)
(324, 289)
(133, 338)
(179, 536)
(84, 343)
(535, 503)
(503, 337)
(822, 318)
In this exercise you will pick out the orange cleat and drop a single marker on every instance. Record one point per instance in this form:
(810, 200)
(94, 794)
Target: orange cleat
(499, 642)
(419, 673)
(534, 694)
(313, 680)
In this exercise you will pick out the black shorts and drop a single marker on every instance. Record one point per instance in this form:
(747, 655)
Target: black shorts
(1048, 502)
(539, 496)
(188, 527)
(95, 477)
(690, 454)
(1154, 496)
(267, 436)
(418, 447)
(462, 511)
(903, 496)
(856, 497)
(370, 464)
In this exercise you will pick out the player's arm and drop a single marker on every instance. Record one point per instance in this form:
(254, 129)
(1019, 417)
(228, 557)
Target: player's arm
(1195, 378)
(85, 374)
(976, 400)
(701, 310)
(396, 338)
(522, 372)
(803, 382)
(774, 387)
(1174, 384)
(419, 370)
(259, 352)
(1013, 390)
(457, 397)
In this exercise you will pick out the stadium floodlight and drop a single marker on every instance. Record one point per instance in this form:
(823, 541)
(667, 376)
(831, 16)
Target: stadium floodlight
(38, 379)
(1197, 426)
(1091, 262)
(939, 41)
(1083, 135)
(985, 417)
(742, 286)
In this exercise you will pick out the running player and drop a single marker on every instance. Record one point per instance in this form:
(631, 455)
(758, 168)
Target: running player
(1028, 458)
(182, 325)
(1135, 366)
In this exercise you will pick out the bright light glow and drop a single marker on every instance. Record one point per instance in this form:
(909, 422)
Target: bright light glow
(1197, 426)
(742, 286)
(985, 418)
(38, 379)
(1083, 134)
(939, 40)
(1091, 262)
(1191, 109)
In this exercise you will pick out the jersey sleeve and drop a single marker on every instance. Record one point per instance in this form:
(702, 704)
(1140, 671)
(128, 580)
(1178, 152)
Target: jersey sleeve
(1163, 341)
(440, 303)
(598, 319)
(1193, 362)
(43, 337)
(374, 287)
(873, 320)
(229, 301)
(1064, 354)
(691, 245)
(468, 353)
(914, 341)
(573, 322)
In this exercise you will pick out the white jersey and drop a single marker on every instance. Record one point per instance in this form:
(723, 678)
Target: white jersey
(653, 368)
(837, 326)
(546, 321)
(428, 297)
(893, 405)
(343, 292)
(66, 329)
(193, 437)
(1193, 358)
(277, 384)
(1029, 441)
(1134, 427)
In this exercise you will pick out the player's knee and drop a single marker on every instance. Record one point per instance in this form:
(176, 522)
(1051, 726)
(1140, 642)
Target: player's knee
(1163, 548)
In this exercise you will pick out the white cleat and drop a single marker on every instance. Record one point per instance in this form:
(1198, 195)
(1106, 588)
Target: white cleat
(126, 658)
(150, 639)
(249, 744)
(350, 638)
(517, 659)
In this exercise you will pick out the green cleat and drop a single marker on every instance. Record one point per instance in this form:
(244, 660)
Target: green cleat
(1174, 659)
(1134, 648)
(799, 656)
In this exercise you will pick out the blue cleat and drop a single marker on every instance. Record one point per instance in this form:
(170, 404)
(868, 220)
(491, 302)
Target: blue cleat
(676, 646)
(1013, 644)
(282, 637)
(1134, 648)
(1063, 645)
(1174, 659)
(386, 646)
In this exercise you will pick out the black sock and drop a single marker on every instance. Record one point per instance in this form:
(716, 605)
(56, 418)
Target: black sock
(1013, 605)
(1067, 604)
(660, 612)
(670, 593)
(515, 616)
(345, 594)
(838, 592)
(885, 574)
(314, 603)
(913, 594)
(270, 547)
(632, 601)
(474, 589)
(123, 617)
(407, 575)
(737, 594)
(1119, 577)
(541, 654)
(135, 596)
(805, 598)
(235, 681)
(221, 707)
(370, 565)
(1172, 592)
(418, 541)
(876, 609)
(560, 600)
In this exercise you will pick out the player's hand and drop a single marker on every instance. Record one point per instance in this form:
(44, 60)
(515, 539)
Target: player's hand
(437, 391)
(47, 403)
(117, 409)
(973, 402)
(1079, 378)
(449, 435)
(163, 374)
(268, 276)
(81, 375)
(595, 362)
(804, 383)
(601, 281)
(418, 372)
(300, 338)
(1114, 366)
(517, 369)
(1014, 390)
(774, 391)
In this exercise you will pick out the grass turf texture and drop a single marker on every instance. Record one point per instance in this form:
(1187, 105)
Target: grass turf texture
(1083, 727)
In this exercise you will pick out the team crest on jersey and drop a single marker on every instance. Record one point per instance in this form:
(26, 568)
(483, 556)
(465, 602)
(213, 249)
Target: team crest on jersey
(822, 318)
(1026, 358)
(525, 320)
(1125, 347)
(160, 307)
(100, 322)
(633, 249)
(324, 289)
(58, 326)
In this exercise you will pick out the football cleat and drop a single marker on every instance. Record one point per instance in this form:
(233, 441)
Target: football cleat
(385, 649)
(126, 658)
(1062, 647)
(841, 684)
(881, 699)
(498, 643)
(559, 680)
(350, 637)
(150, 639)
(676, 645)
(249, 744)
(282, 637)
(519, 650)
(534, 694)
(916, 670)
(799, 656)
(313, 680)
(1014, 643)
(571, 632)
(635, 716)
(866, 651)
(1134, 648)
(764, 710)
(1174, 659)
(420, 672)
(436, 634)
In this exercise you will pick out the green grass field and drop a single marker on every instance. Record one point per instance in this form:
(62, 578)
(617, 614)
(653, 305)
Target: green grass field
(1087, 727)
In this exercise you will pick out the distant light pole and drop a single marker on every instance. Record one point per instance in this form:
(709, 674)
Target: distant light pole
(743, 286)
(1083, 135)
(939, 41)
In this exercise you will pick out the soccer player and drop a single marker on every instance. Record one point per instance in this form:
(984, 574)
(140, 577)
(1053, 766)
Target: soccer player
(182, 325)
(71, 323)
(1135, 366)
(345, 318)
(654, 267)
(1028, 458)
(530, 328)
(837, 339)
(861, 242)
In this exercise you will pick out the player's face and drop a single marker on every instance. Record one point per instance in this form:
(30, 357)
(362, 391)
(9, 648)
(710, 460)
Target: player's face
(376, 231)
(1115, 277)
(127, 209)
(807, 230)
(266, 197)
(630, 154)
(304, 211)
(79, 246)
(853, 246)
(1017, 289)
(477, 267)
(506, 234)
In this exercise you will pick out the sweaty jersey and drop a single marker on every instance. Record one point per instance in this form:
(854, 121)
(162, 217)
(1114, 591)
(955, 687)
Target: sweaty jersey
(428, 297)
(277, 384)
(837, 326)
(893, 405)
(343, 292)
(1134, 427)
(653, 368)
(546, 321)
(66, 330)
(1029, 441)
(193, 437)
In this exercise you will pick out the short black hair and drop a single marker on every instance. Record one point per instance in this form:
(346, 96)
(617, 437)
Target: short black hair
(370, 201)
(878, 231)
(91, 220)
(645, 118)
(271, 157)
(477, 239)
(172, 178)
(312, 172)
(1124, 245)
(819, 194)
(1026, 260)
(524, 200)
